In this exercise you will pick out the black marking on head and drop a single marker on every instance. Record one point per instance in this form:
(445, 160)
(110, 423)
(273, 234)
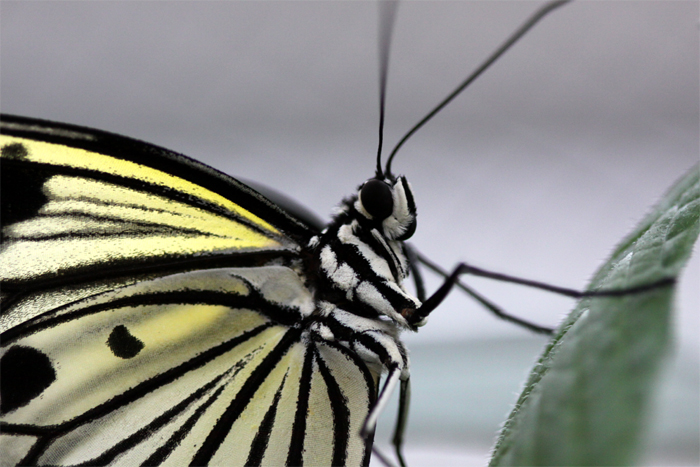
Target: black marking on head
(411, 204)
(410, 230)
(123, 344)
(377, 199)
(25, 373)
(409, 195)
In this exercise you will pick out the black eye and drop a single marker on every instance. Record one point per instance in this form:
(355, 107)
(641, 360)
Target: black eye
(376, 198)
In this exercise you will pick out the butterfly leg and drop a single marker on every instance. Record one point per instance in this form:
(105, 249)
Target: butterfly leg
(400, 429)
(414, 266)
(453, 279)
(489, 305)
(389, 385)
(402, 419)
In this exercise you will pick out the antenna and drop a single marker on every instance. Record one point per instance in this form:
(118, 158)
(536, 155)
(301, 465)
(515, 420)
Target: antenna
(525, 27)
(387, 15)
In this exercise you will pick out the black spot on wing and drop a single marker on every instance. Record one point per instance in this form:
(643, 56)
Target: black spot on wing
(20, 187)
(14, 151)
(25, 373)
(123, 344)
(150, 433)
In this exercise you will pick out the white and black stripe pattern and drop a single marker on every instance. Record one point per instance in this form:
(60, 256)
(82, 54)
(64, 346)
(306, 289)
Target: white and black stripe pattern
(362, 267)
(359, 271)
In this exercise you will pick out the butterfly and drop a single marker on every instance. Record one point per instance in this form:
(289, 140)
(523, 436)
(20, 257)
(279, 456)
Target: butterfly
(202, 269)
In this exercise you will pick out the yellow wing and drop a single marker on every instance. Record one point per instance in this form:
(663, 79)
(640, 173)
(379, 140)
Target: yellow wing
(153, 312)
(85, 211)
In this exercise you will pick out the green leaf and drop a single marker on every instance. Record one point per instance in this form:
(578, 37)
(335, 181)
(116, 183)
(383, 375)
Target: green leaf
(586, 400)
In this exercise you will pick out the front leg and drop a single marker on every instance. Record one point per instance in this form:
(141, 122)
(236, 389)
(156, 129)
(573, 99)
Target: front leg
(419, 315)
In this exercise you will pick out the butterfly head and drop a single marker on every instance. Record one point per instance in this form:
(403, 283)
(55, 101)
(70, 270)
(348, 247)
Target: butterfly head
(388, 202)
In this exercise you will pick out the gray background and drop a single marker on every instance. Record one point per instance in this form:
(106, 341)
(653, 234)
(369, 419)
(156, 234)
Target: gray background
(537, 170)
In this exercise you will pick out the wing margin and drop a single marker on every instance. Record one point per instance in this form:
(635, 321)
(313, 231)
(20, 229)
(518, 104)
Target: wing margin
(162, 159)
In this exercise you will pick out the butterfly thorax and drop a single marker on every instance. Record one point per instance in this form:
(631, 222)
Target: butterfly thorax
(359, 259)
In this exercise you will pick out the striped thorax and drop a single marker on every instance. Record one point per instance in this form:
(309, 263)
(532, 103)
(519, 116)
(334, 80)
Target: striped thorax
(360, 268)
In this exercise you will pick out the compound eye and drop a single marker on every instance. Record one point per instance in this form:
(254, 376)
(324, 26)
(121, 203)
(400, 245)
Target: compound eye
(377, 199)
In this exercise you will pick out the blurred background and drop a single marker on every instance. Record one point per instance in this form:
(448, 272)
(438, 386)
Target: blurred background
(538, 170)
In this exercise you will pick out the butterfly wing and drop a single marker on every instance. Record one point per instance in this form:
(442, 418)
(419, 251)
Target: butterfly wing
(153, 314)
(75, 199)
